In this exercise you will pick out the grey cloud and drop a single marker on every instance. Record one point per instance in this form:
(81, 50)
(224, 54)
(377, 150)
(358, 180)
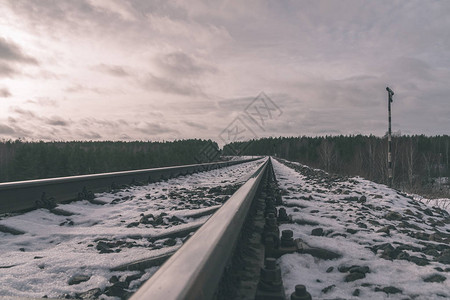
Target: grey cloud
(78, 88)
(30, 116)
(11, 52)
(235, 104)
(411, 68)
(44, 102)
(57, 121)
(6, 70)
(90, 135)
(92, 122)
(332, 60)
(153, 128)
(171, 86)
(15, 130)
(181, 64)
(4, 129)
(4, 93)
(113, 70)
(23, 112)
(180, 74)
(124, 137)
(195, 125)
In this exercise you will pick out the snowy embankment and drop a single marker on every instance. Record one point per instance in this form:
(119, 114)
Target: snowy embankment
(391, 246)
(73, 255)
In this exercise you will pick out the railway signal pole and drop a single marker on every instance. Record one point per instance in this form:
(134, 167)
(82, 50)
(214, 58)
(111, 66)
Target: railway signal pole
(390, 94)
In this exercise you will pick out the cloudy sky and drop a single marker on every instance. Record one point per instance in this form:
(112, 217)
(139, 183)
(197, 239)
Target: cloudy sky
(164, 70)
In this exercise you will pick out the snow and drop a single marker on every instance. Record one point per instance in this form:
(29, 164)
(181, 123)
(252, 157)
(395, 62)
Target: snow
(332, 210)
(443, 203)
(54, 248)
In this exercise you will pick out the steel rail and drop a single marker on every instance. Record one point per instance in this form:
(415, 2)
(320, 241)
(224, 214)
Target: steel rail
(195, 270)
(23, 195)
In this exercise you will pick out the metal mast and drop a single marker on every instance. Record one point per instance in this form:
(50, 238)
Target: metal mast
(390, 94)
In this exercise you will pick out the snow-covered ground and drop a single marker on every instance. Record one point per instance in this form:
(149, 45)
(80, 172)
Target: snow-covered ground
(443, 203)
(55, 249)
(391, 246)
(230, 157)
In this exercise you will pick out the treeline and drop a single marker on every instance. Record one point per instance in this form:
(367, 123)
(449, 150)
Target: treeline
(418, 161)
(21, 160)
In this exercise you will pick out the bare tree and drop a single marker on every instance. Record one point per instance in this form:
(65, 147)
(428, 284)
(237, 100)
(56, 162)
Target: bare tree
(327, 153)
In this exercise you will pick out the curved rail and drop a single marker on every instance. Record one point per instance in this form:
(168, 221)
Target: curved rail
(23, 195)
(195, 270)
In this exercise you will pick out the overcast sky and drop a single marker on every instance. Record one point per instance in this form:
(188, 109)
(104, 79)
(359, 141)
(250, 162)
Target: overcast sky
(164, 70)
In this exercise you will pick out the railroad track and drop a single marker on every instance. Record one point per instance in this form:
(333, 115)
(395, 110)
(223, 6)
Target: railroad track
(54, 229)
(233, 233)
(230, 231)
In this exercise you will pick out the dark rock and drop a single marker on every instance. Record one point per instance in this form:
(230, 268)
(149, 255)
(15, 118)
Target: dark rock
(409, 212)
(175, 219)
(144, 220)
(358, 269)
(344, 268)
(428, 212)
(356, 293)
(374, 222)
(133, 224)
(159, 220)
(354, 276)
(405, 224)
(61, 212)
(391, 290)
(419, 261)
(118, 290)
(317, 232)
(103, 247)
(385, 229)
(10, 230)
(133, 277)
(432, 252)
(305, 222)
(435, 278)
(352, 198)
(361, 225)
(351, 231)
(330, 269)
(91, 294)
(393, 216)
(362, 199)
(77, 279)
(328, 288)
(421, 236)
(170, 242)
(444, 258)
(403, 256)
